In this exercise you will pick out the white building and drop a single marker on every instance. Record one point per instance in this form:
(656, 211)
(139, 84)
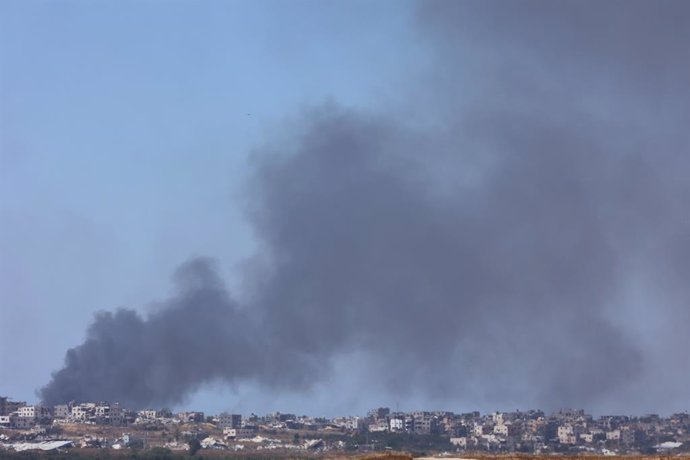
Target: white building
(501, 430)
(479, 430)
(349, 423)
(148, 414)
(614, 435)
(378, 426)
(397, 424)
(33, 412)
(459, 442)
(568, 434)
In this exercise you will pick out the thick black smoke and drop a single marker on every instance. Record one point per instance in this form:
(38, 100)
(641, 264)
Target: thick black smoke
(197, 336)
(505, 233)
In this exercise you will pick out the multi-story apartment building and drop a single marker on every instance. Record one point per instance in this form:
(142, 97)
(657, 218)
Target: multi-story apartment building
(35, 413)
(226, 420)
(397, 424)
(62, 411)
(109, 414)
(84, 412)
(424, 423)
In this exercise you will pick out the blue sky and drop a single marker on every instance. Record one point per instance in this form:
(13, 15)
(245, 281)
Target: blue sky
(126, 129)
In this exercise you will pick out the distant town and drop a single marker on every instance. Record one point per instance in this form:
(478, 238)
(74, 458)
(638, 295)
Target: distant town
(100, 425)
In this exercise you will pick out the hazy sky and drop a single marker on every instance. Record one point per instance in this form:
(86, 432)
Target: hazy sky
(137, 135)
(126, 129)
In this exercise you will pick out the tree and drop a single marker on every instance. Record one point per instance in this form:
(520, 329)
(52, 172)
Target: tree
(194, 446)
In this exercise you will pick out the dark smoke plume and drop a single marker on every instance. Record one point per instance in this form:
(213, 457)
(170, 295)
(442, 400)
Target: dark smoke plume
(505, 234)
(199, 335)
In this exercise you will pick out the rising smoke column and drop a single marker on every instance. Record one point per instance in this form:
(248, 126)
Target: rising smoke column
(198, 335)
(484, 242)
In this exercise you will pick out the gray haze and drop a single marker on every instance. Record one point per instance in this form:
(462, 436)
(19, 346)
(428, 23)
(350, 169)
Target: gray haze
(516, 230)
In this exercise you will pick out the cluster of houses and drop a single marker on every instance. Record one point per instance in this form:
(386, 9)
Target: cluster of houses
(530, 431)
(534, 431)
(20, 415)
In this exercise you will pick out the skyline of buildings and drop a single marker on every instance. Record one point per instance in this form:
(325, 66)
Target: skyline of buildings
(566, 430)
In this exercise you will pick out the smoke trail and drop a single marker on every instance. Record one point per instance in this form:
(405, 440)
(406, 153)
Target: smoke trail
(489, 250)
